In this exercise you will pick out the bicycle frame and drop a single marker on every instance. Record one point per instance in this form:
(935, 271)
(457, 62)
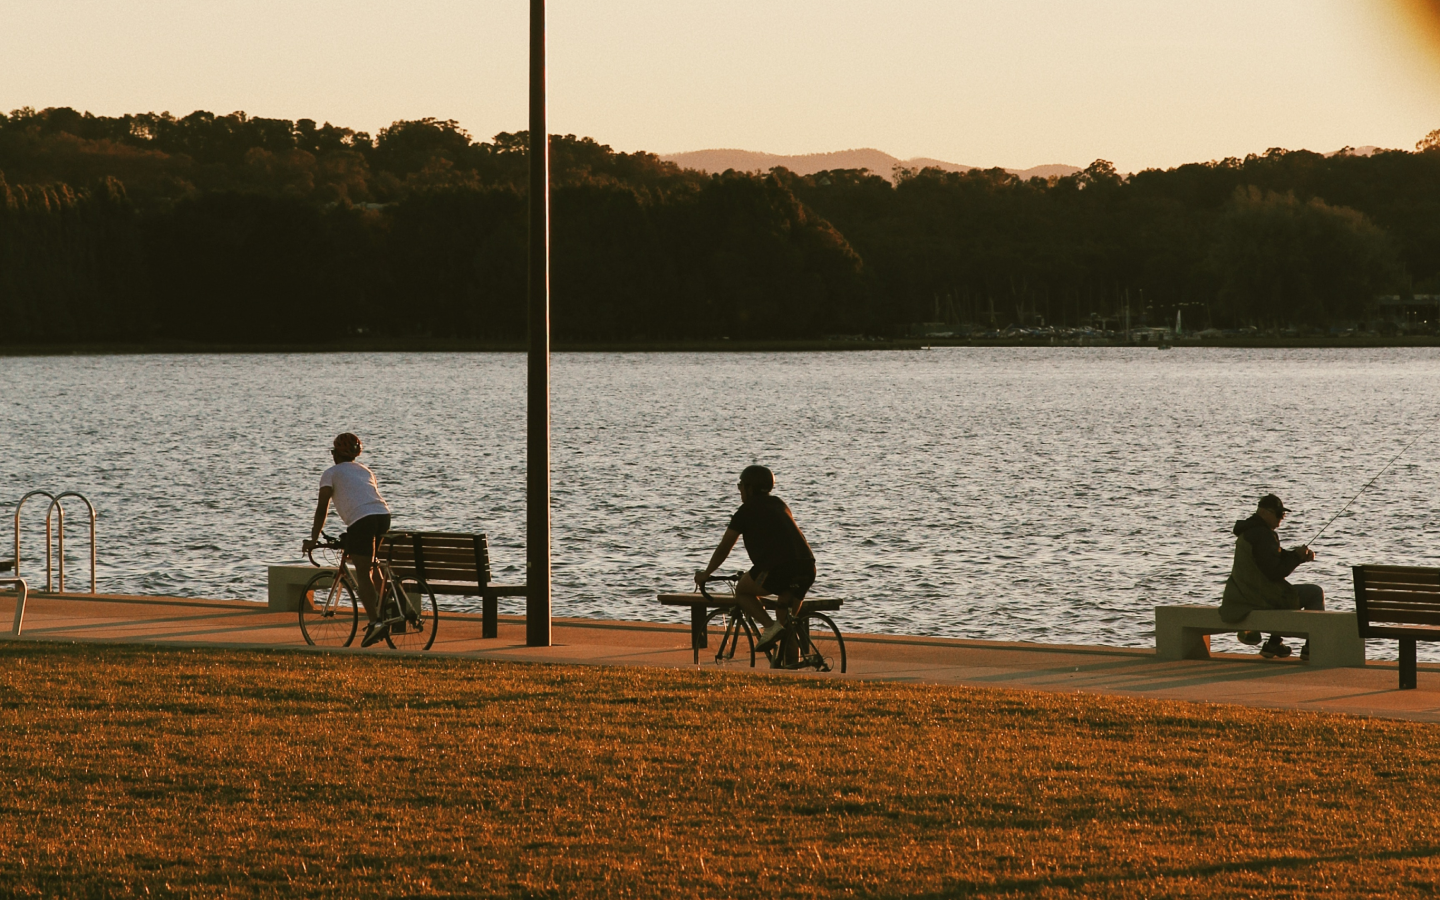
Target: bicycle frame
(784, 654)
(387, 580)
(391, 595)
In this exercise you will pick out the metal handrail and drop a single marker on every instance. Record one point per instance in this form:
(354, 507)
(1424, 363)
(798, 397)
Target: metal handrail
(21, 590)
(56, 504)
(48, 578)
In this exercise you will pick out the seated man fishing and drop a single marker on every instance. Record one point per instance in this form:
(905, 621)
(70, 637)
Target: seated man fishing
(366, 516)
(1257, 577)
(782, 562)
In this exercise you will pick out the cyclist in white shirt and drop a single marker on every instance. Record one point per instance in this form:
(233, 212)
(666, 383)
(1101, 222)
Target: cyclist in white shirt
(357, 499)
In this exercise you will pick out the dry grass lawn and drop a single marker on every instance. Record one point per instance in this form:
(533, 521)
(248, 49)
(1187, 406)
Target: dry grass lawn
(153, 772)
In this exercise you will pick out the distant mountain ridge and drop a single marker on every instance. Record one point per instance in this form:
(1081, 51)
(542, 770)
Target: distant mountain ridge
(877, 161)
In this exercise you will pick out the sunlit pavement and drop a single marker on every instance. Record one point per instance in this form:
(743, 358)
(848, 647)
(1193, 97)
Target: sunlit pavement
(1228, 678)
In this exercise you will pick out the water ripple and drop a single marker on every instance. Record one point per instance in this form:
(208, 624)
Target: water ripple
(1013, 494)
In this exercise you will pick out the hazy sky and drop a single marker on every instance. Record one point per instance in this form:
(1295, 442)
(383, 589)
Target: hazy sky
(1002, 82)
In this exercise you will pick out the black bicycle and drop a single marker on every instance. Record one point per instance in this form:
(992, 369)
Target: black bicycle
(330, 608)
(809, 640)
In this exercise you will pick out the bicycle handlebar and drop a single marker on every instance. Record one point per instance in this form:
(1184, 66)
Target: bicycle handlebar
(733, 579)
(328, 543)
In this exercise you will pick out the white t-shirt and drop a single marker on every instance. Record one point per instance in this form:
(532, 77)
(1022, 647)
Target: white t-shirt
(356, 493)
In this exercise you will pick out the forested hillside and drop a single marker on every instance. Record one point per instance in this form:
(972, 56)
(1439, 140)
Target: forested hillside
(233, 229)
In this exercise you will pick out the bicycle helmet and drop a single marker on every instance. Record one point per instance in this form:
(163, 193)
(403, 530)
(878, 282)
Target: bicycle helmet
(758, 479)
(349, 445)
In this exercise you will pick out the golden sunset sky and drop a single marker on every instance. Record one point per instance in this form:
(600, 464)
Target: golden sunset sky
(1005, 82)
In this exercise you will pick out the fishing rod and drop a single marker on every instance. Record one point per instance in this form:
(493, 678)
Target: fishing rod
(1363, 489)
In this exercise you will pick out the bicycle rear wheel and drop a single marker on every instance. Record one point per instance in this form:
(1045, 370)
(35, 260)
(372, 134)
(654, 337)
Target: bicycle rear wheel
(328, 611)
(821, 646)
(725, 631)
(422, 616)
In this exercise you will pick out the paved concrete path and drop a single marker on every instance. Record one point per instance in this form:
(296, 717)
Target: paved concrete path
(1244, 680)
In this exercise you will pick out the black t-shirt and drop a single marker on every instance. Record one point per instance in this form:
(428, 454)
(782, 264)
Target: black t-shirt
(771, 535)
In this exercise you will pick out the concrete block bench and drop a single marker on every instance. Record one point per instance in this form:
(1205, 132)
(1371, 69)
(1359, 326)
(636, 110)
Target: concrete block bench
(286, 583)
(1183, 632)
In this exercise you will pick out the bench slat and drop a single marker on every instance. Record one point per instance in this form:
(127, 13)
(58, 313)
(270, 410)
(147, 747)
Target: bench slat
(1398, 604)
(454, 557)
(1404, 593)
(1404, 617)
(1401, 600)
(442, 571)
(1414, 634)
(468, 589)
(1426, 573)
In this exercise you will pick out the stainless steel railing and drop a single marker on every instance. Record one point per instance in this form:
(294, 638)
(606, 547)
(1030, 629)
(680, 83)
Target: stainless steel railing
(51, 544)
(60, 536)
(49, 585)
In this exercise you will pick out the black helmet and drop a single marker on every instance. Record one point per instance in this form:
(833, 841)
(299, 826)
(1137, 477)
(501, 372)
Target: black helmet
(758, 479)
(348, 444)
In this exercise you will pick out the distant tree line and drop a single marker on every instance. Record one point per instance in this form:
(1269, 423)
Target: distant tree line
(234, 229)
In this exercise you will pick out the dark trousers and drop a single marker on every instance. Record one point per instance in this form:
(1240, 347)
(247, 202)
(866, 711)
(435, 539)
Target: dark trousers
(1312, 596)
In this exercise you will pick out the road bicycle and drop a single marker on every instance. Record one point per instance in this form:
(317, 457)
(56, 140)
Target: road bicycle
(809, 640)
(330, 607)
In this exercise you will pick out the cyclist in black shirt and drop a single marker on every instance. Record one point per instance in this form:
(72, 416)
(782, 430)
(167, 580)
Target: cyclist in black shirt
(782, 562)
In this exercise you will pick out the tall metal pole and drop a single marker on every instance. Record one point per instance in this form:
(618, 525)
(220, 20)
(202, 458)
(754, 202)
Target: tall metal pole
(537, 426)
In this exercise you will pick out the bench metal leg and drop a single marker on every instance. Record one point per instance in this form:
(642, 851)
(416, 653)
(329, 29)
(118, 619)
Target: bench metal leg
(1407, 665)
(490, 624)
(699, 640)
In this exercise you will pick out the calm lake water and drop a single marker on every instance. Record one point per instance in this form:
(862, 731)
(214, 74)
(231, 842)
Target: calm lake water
(1048, 495)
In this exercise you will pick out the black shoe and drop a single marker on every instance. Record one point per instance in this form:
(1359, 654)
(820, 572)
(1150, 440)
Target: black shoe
(1274, 648)
(1249, 637)
(1305, 652)
(379, 631)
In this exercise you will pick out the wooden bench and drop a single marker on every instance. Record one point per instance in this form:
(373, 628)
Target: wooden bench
(700, 610)
(1405, 600)
(1183, 632)
(452, 565)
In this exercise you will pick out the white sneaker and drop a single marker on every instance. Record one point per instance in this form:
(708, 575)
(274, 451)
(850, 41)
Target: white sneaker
(769, 636)
(375, 632)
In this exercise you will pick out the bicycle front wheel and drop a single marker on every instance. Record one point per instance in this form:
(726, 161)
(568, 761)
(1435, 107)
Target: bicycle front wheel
(422, 615)
(724, 631)
(821, 646)
(328, 611)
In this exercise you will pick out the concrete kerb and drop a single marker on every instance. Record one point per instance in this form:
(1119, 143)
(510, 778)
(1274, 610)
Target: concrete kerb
(1132, 672)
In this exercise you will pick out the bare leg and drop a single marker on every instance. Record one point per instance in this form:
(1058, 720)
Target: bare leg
(367, 579)
(789, 606)
(747, 594)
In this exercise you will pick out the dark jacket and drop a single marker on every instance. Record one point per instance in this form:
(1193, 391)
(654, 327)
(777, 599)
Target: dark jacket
(1257, 577)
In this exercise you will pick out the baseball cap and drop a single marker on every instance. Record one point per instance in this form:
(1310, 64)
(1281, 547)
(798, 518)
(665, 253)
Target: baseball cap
(1272, 503)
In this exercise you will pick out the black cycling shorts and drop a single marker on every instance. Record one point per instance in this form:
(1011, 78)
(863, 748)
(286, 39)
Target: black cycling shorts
(793, 578)
(361, 539)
